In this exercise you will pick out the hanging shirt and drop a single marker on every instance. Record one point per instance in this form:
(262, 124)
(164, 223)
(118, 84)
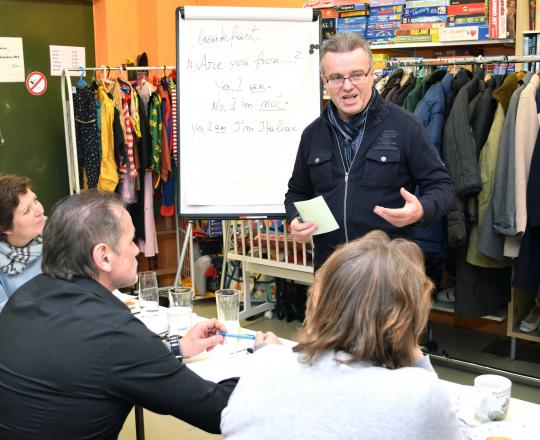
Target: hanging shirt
(156, 127)
(108, 178)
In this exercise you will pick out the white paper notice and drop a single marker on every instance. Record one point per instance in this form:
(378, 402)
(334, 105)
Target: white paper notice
(11, 60)
(66, 57)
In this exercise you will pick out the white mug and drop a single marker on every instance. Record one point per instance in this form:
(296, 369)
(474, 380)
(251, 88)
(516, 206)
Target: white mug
(492, 397)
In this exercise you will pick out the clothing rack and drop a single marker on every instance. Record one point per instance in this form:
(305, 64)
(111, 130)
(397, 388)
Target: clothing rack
(418, 62)
(71, 142)
(69, 121)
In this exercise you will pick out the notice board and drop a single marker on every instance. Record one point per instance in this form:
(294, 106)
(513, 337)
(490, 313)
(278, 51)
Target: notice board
(248, 84)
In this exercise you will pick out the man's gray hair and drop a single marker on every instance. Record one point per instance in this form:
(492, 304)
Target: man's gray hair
(346, 42)
(76, 225)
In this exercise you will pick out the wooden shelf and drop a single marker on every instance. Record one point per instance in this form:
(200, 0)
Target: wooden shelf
(532, 336)
(444, 306)
(520, 305)
(440, 44)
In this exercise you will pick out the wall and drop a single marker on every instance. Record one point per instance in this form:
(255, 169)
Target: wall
(33, 126)
(125, 28)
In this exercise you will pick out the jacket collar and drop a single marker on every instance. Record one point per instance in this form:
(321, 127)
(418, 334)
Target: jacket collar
(446, 84)
(98, 290)
(376, 111)
(504, 92)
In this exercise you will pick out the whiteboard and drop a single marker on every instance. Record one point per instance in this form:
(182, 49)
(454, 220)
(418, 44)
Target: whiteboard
(248, 84)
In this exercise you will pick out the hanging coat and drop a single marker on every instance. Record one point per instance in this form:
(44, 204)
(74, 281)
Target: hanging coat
(488, 163)
(483, 115)
(527, 273)
(501, 213)
(527, 126)
(459, 147)
(430, 112)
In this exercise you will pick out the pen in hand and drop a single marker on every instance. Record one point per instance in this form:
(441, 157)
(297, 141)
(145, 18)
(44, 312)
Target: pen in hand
(236, 335)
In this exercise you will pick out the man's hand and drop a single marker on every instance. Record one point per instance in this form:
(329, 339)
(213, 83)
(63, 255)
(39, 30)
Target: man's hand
(262, 339)
(303, 231)
(202, 336)
(411, 212)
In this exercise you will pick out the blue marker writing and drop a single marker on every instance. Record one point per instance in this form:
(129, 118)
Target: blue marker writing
(236, 335)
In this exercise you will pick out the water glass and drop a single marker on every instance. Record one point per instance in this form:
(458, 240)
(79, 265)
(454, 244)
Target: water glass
(148, 293)
(180, 310)
(228, 309)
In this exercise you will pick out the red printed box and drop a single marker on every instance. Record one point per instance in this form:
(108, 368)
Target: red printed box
(468, 9)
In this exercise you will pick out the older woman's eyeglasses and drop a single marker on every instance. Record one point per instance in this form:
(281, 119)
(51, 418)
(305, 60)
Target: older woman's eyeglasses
(356, 78)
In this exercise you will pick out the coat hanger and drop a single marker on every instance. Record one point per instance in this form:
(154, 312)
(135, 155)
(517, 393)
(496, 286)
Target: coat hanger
(421, 67)
(122, 78)
(81, 82)
(104, 77)
(94, 82)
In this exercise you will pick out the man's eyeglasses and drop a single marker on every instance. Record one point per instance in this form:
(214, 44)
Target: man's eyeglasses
(356, 78)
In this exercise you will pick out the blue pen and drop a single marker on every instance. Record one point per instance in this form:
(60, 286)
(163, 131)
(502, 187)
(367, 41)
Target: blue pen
(236, 335)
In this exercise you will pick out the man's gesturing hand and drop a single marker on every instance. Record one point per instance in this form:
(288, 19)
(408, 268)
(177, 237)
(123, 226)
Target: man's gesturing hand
(410, 213)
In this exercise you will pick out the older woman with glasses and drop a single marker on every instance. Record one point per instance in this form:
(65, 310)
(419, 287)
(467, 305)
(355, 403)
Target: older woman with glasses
(357, 370)
(21, 225)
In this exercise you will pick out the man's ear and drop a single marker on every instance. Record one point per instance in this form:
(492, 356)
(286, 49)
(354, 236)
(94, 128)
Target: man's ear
(101, 255)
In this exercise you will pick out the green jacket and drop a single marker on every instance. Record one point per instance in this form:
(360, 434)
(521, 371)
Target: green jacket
(413, 98)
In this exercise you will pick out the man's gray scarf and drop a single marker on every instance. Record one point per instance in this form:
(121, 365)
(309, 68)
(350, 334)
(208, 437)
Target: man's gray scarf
(13, 260)
(350, 133)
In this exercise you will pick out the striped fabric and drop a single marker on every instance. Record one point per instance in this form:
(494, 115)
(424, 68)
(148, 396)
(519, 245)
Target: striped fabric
(128, 140)
(174, 149)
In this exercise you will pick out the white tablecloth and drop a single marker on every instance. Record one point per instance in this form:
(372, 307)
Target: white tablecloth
(231, 359)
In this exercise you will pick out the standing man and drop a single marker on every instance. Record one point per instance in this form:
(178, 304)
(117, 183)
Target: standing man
(73, 359)
(365, 156)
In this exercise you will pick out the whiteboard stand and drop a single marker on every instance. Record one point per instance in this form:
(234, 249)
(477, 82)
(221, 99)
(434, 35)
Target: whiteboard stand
(225, 227)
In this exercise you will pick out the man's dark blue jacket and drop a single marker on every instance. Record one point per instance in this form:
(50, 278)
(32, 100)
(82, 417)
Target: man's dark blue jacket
(395, 152)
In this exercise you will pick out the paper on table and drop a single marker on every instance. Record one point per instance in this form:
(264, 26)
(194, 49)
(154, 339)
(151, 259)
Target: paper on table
(220, 366)
(317, 211)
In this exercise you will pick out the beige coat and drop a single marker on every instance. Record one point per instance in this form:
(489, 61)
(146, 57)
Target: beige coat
(527, 126)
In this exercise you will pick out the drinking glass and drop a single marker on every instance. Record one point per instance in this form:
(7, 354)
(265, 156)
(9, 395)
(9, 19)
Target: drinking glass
(180, 310)
(228, 309)
(148, 293)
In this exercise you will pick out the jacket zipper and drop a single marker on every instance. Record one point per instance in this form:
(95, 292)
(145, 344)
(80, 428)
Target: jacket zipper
(347, 176)
(346, 184)
(345, 207)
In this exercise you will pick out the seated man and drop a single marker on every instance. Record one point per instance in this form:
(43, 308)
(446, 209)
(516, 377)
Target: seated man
(73, 359)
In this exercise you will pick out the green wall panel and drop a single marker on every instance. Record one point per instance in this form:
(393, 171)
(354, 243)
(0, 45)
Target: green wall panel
(33, 126)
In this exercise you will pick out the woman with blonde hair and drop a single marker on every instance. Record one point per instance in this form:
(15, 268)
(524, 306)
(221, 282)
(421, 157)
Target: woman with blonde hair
(357, 370)
(21, 225)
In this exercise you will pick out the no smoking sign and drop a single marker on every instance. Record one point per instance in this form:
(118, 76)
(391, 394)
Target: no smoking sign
(36, 83)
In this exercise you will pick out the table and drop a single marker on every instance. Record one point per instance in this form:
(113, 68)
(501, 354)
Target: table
(232, 360)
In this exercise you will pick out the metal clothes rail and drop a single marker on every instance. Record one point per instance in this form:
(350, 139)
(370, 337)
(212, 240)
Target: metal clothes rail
(463, 60)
